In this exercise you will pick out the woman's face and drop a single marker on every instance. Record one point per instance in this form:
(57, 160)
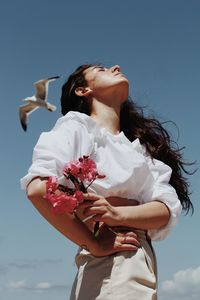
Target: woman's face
(106, 81)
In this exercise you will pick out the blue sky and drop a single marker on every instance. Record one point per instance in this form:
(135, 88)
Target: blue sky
(157, 45)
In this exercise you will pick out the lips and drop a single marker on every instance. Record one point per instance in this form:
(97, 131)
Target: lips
(119, 74)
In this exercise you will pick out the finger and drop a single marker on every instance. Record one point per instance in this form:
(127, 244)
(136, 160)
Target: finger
(100, 201)
(91, 196)
(94, 210)
(86, 203)
(125, 247)
(131, 233)
(121, 232)
(129, 240)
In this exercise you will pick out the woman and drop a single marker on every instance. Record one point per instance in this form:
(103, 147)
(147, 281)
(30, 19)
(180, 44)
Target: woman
(140, 198)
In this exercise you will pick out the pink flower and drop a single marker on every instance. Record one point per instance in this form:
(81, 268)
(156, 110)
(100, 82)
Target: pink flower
(64, 199)
(73, 168)
(62, 203)
(83, 169)
(52, 184)
(89, 169)
(79, 196)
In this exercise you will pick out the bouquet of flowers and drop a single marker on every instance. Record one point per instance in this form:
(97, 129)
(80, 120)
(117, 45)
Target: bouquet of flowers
(82, 173)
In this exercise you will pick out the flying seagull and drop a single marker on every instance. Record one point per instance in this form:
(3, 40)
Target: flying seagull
(36, 101)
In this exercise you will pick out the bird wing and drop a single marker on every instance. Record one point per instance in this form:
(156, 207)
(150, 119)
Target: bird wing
(24, 112)
(42, 87)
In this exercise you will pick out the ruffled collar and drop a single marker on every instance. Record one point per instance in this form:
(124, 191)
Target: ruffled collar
(95, 128)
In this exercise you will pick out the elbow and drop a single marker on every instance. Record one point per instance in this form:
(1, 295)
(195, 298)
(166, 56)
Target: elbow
(31, 194)
(165, 218)
(36, 189)
(164, 214)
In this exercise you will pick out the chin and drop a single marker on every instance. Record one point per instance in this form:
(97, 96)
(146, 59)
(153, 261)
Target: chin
(124, 82)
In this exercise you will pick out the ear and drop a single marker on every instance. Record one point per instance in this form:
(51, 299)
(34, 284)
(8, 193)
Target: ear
(83, 91)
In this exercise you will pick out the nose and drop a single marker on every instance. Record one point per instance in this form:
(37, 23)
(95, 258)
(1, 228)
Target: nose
(115, 68)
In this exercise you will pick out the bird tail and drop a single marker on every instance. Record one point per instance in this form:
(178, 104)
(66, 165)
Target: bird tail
(51, 107)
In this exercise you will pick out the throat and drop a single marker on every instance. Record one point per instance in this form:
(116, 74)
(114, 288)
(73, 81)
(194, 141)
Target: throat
(109, 122)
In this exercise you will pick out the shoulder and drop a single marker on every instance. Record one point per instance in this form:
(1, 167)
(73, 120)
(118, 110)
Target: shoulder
(69, 127)
(72, 126)
(70, 137)
(74, 120)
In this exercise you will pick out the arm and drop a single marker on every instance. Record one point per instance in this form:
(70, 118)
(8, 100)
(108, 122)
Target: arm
(71, 227)
(68, 225)
(158, 212)
(67, 140)
(152, 215)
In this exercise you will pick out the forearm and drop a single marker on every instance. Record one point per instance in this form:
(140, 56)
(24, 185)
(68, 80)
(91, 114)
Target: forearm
(126, 213)
(69, 225)
(152, 215)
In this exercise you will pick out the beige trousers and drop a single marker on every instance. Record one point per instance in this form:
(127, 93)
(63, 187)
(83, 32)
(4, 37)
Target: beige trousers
(127, 275)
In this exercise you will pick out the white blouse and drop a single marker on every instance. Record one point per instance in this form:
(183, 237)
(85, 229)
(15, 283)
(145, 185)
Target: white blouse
(130, 171)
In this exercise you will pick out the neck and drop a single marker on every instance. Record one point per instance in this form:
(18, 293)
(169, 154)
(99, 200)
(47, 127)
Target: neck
(107, 117)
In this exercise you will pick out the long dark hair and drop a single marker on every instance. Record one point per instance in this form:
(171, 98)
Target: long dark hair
(134, 124)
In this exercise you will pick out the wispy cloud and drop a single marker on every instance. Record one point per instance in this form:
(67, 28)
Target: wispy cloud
(184, 285)
(27, 264)
(21, 285)
(17, 285)
(32, 264)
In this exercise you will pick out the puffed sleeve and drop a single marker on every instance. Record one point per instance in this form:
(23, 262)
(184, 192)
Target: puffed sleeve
(67, 141)
(161, 190)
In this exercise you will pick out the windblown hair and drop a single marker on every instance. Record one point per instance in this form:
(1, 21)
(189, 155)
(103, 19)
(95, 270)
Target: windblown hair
(134, 124)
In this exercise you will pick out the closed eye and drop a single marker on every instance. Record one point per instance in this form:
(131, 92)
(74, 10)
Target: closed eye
(101, 68)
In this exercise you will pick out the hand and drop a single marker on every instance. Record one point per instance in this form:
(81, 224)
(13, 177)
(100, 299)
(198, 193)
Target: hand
(100, 210)
(110, 242)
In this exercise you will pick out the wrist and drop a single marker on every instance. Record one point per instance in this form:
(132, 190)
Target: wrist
(123, 215)
(92, 246)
